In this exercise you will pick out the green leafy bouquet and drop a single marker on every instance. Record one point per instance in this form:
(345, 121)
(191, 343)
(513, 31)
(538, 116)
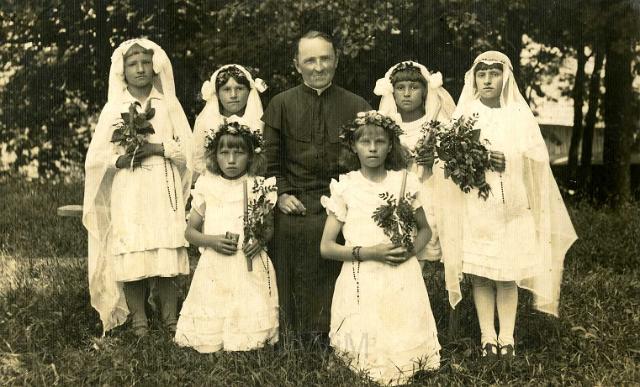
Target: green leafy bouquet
(396, 217)
(133, 128)
(257, 210)
(466, 159)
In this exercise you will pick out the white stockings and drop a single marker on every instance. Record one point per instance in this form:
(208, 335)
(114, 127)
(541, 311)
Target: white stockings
(486, 294)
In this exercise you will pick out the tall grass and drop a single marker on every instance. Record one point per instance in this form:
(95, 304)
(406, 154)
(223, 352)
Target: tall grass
(50, 335)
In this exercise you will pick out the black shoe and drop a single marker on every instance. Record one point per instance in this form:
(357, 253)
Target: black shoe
(507, 352)
(490, 351)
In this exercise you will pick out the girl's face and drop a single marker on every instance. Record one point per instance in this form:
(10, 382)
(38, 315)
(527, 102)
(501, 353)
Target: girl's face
(409, 96)
(372, 147)
(489, 84)
(233, 97)
(138, 68)
(232, 157)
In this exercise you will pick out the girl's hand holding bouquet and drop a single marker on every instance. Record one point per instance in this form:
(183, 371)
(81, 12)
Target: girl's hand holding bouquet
(135, 158)
(222, 244)
(252, 248)
(386, 253)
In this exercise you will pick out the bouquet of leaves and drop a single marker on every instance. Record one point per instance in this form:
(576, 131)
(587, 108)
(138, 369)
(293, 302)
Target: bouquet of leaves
(133, 128)
(466, 158)
(256, 211)
(425, 144)
(396, 218)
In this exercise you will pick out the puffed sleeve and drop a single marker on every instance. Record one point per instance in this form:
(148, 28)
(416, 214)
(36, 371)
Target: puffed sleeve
(174, 150)
(414, 187)
(336, 204)
(198, 202)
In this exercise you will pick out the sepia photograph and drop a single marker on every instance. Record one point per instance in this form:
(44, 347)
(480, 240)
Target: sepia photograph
(319, 193)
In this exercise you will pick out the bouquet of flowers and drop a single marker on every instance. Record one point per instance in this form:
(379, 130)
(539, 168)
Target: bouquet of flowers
(396, 217)
(133, 128)
(466, 158)
(256, 211)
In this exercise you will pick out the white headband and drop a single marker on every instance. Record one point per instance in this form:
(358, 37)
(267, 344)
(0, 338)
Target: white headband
(208, 89)
(438, 103)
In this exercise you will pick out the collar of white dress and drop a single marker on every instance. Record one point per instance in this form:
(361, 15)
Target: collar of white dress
(154, 94)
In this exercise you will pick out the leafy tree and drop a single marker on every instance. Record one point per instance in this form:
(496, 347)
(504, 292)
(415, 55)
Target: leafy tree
(56, 55)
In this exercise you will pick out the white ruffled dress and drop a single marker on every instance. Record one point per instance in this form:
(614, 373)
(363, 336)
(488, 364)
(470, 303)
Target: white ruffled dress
(147, 206)
(412, 132)
(228, 307)
(381, 319)
(500, 233)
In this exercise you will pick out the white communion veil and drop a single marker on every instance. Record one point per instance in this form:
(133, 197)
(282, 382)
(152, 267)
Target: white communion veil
(107, 296)
(554, 230)
(210, 117)
(438, 104)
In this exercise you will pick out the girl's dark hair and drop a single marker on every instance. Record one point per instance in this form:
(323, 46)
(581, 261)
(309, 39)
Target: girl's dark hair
(486, 66)
(137, 49)
(348, 161)
(411, 74)
(257, 162)
(231, 72)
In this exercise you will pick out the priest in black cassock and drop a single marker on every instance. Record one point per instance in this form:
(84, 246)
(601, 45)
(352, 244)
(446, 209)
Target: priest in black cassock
(301, 145)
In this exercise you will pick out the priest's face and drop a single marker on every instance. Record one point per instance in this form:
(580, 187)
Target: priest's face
(316, 61)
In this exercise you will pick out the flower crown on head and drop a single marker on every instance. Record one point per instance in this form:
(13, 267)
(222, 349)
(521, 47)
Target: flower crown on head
(236, 128)
(404, 66)
(209, 86)
(230, 72)
(372, 117)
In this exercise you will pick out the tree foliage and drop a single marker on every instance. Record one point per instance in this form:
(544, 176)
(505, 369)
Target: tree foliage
(56, 55)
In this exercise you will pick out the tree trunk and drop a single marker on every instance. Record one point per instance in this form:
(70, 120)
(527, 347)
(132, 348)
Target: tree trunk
(618, 125)
(590, 121)
(514, 30)
(102, 47)
(578, 101)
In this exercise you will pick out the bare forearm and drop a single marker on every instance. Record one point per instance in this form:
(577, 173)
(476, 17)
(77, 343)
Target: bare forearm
(197, 238)
(423, 237)
(336, 252)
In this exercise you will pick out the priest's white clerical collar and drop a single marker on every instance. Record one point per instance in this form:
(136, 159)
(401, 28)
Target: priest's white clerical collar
(319, 91)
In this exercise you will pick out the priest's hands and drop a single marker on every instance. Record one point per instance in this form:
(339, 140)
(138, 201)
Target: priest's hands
(497, 161)
(290, 205)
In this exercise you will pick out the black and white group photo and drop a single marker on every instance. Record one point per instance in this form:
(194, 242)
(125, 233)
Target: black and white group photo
(320, 193)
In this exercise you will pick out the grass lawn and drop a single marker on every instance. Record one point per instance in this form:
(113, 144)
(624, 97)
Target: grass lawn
(49, 334)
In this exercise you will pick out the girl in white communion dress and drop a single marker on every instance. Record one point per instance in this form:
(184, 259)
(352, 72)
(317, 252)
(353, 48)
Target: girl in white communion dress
(134, 201)
(519, 235)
